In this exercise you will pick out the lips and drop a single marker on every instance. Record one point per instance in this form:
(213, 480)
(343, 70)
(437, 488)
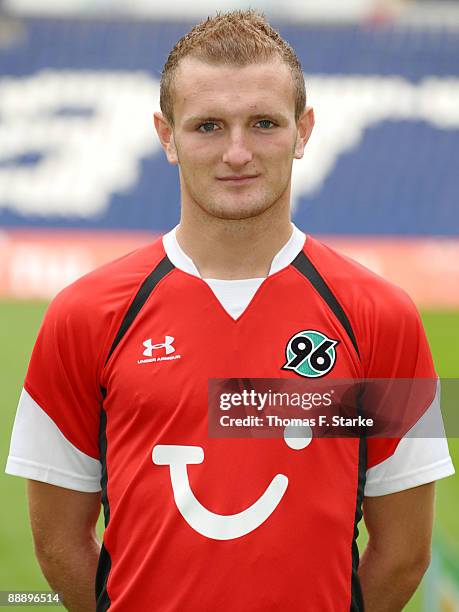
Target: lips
(238, 179)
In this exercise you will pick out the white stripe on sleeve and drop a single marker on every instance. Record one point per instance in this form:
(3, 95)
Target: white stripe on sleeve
(40, 451)
(418, 459)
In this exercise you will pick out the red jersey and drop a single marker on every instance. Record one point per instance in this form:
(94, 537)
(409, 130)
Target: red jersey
(122, 365)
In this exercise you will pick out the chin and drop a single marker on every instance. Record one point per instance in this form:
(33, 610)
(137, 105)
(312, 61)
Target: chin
(239, 211)
(235, 215)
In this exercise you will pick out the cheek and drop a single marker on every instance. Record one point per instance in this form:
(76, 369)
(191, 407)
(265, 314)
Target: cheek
(196, 167)
(279, 167)
(202, 161)
(278, 151)
(204, 146)
(194, 152)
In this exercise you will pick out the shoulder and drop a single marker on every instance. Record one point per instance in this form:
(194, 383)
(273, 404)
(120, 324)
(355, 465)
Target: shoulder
(355, 286)
(109, 287)
(384, 319)
(86, 315)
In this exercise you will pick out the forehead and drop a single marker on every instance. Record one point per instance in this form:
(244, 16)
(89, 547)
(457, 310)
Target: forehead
(207, 89)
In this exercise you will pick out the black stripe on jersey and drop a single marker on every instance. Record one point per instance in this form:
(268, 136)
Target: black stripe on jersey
(304, 265)
(105, 563)
(163, 268)
(103, 460)
(356, 591)
(103, 569)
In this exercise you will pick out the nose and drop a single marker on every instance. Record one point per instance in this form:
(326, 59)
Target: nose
(237, 152)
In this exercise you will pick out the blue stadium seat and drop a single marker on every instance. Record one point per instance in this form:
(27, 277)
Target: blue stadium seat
(400, 178)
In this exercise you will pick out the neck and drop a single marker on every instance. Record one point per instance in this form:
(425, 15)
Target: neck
(233, 249)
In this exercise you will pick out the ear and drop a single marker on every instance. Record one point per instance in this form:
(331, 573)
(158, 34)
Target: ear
(166, 137)
(304, 129)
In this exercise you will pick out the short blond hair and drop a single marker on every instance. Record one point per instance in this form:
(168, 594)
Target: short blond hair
(236, 38)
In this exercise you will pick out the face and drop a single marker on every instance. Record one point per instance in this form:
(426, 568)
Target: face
(234, 136)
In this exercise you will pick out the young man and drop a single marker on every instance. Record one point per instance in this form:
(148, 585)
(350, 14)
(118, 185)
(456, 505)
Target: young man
(115, 400)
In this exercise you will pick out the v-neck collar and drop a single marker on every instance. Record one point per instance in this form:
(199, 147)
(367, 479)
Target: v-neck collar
(281, 260)
(234, 296)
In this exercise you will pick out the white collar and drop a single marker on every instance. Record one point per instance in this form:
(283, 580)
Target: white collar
(281, 260)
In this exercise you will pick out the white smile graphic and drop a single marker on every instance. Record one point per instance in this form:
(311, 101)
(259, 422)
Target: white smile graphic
(202, 520)
(205, 522)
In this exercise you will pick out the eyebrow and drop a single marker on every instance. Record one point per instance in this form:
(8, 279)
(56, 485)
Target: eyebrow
(278, 117)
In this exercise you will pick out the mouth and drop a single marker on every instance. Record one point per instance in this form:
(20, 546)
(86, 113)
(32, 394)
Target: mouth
(238, 180)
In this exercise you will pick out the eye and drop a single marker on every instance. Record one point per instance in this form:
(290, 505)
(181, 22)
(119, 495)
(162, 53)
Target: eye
(265, 123)
(208, 126)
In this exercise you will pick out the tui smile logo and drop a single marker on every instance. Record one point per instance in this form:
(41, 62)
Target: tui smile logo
(310, 353)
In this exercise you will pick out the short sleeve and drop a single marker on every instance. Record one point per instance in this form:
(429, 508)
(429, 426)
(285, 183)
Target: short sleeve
(56, 430)
(399, 350)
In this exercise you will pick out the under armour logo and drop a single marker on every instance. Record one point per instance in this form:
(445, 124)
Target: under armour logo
(167, 344)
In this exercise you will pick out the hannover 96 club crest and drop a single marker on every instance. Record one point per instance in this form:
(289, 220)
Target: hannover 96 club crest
(310, 353)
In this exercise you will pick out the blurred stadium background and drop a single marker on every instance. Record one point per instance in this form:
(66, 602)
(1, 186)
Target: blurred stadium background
(82, 178)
